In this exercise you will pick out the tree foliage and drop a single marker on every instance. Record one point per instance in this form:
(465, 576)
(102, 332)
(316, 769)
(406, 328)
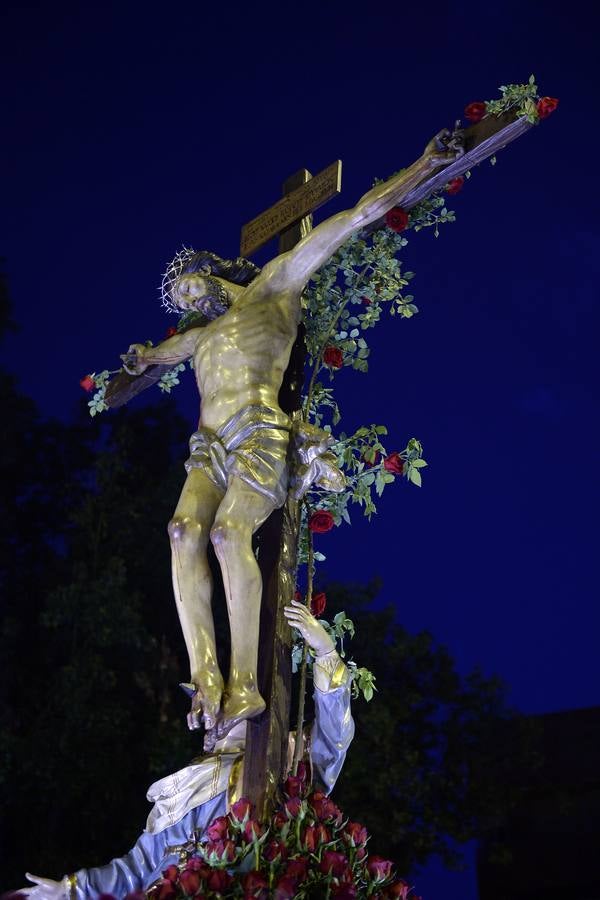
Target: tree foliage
(91, 655)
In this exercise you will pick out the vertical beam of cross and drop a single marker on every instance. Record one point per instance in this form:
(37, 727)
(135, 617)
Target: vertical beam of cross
(265, 760)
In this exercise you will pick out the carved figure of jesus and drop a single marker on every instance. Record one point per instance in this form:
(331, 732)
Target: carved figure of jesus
(237, 472)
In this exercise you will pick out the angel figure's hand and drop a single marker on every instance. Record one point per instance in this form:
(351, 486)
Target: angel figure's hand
(45, 888)
(300, 617)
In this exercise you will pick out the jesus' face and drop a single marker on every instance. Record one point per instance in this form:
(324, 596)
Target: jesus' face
(197, 291)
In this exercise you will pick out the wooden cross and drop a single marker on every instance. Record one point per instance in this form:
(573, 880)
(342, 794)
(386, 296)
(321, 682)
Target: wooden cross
(265, 758)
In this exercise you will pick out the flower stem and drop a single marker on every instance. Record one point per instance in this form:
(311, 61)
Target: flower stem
(328, 334)
(302, 696)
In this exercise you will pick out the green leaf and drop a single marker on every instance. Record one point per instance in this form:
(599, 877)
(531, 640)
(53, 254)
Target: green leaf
(415, 476)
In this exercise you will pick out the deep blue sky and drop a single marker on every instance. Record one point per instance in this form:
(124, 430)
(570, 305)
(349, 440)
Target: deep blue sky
(132, 130)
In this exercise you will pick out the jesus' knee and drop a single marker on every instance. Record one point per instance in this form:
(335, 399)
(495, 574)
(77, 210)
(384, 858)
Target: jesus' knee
(187, 533)
(231, 537)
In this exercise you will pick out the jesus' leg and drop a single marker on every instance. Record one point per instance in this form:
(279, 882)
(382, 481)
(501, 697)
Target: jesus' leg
(189, 531)
(242, 511)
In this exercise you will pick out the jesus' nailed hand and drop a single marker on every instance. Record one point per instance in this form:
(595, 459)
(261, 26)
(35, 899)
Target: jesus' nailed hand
(237, 472)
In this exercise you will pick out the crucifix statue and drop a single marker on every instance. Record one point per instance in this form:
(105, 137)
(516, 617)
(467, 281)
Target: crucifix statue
(237, 467)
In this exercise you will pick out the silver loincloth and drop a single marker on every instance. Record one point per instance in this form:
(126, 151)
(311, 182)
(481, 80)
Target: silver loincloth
(251, 444)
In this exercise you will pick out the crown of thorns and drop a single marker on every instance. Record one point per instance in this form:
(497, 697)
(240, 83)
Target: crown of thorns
(171, 276)
(238, 271)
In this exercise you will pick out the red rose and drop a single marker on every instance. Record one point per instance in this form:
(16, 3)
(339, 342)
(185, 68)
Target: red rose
(223, 849)
(455, 185)
(274, 849)
(189, 881)
(396, 218)
(333, 357)
(240, 811)
(218, 880)
(171, 873)
(297, 868)
(218, 830)
(132, 895)
(379, 868)
(167, 890)
(397, 889)
(545, 106)
(394, 463)
(87, 383)
(321, 521)
(302, 771)
(356, 834)
(285, 889)
(318, 604)
(324, 808)
(170, 332)
(280, 820)
(195, 864)
(333, 862)
(314, 835)
(293, 806)
(475, 112)
(252, 830)
(344, 892)
(293, 786)
(298, 596)
(366, 301)
(254, 881)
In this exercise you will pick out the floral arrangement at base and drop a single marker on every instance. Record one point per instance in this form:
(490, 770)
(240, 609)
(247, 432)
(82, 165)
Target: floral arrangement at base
(307, 849)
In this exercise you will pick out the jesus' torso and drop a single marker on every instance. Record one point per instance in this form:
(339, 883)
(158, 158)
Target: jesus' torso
(241, 356)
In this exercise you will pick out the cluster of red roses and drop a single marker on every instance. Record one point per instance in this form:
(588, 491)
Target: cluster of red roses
(306, 850)
(475, 111)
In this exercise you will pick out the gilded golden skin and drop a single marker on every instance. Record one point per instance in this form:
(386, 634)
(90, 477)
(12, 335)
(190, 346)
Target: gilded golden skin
(239, 359)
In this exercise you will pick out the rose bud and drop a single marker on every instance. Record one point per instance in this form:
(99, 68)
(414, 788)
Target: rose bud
(318, 604)
(88, 384)
(379, 868)
(218, 830)
(170, 332)
(321, 521)
(455, 185)
(171, 873)
(253, 882)
(475, 112)
(297, 868)
(274, 849)
(333, 357)
(252, 830)
(398, 889)
(333, 862)
(545, 106)
(396, 219)
(219, 880)
(285, 889)
(166, 891)
(293, 786)
(189, 881)
(240, 811)
(394, 463)
(356, 834)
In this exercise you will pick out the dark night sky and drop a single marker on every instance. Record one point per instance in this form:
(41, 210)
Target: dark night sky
(132, 130)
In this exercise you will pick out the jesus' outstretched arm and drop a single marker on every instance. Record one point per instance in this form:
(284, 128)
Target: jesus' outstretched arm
(295, 267)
